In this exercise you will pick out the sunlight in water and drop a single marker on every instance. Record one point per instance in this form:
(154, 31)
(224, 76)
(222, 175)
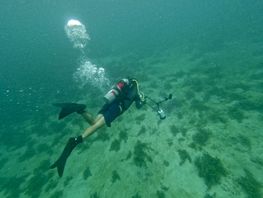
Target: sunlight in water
(77, 33)
(87, 73)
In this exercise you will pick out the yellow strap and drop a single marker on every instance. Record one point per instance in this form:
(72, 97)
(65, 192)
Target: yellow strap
(140, 93)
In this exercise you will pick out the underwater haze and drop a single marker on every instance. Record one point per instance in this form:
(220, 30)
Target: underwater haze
(208, 54)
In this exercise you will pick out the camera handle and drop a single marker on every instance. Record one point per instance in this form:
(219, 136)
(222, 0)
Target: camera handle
(159, 110)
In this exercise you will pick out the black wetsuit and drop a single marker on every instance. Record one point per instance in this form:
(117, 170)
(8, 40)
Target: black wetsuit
(128, 95)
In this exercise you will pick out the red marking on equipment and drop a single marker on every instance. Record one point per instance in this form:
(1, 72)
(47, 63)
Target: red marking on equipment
(120, 85)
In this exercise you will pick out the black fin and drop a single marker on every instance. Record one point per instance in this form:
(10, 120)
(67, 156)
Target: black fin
(68, 108)
(60, 165)
(61, 162)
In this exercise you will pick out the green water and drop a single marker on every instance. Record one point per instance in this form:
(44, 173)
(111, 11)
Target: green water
(208, 54)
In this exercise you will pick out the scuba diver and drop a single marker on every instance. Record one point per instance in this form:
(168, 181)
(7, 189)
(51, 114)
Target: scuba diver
(117, 101)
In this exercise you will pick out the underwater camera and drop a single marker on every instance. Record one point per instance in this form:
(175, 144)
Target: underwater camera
(157, 106)
(161, 114)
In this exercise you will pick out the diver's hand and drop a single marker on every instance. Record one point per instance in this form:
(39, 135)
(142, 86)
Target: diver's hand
(141, 96)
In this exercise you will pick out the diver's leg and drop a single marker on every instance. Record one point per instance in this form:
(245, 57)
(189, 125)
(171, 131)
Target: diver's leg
(99, 116)
(100, 122)
(73, 142)
(88, 117)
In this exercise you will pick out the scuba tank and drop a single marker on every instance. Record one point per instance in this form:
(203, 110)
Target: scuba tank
(116, 91)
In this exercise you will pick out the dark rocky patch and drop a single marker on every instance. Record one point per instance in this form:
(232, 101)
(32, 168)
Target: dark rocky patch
(94, 195)
(129, 155)
(123, 136)
(115, 177)
(87, 173)
(139, 119)
(140, 155)
(166, 163)
(210, 196)
(137, 195)
(210, 169)
(236, 114)
(201, 137)
(250, 185)
(142, 130)
(174, 130)
(35, 184)
(183, 131)
(115, 145)
(244, 141)
(57, 194)
(3, 161)
(68, 180)
(184, 155)
(160, 194)
(52, 184)
(11, 186)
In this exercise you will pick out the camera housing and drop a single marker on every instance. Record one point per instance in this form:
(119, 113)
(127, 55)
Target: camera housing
(161, 114)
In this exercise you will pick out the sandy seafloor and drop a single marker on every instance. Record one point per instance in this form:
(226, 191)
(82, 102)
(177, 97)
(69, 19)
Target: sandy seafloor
(210, 145)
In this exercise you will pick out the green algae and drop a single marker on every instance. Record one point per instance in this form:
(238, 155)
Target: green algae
(142, 131)
(201, 137)
(210, 169)
(115, 145)
(115, 176)
(87, 173)
(137, 195)
(184, 155)
(140, 154)
(250, 185)
(174, 130)
(57, 194)
(160, 194)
